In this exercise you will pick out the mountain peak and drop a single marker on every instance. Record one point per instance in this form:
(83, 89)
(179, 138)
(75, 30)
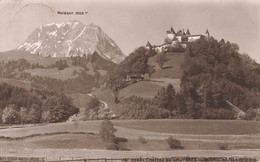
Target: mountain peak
(72, 38)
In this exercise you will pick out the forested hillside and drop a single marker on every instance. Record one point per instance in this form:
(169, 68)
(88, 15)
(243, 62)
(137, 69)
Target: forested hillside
(80, 74)
(213, 73)
(217, 83)
(18, 106)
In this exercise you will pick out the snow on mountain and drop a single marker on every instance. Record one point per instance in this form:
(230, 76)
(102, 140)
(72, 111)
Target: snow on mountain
(71, 38)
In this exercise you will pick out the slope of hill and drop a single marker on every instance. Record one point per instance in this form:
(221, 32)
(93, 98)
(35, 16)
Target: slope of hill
(172, 68)
(170, 74)
(71, 38)
(18, 54)
(145, 89)
(15, 55)
(16, 83)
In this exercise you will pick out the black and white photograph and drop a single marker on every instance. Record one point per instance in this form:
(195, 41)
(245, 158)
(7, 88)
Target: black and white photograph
(129, 80)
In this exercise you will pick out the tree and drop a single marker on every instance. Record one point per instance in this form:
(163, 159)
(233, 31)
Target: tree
(107, 131)
(10, 115)
(34, 115)
(24, 114)
(93, 103)
(161, 59)
(165, 98)
(46, 116)
(150, 70)
(174, 143)
(1, 113)
(167, 41)
(138, 67)
(235, 46)
(60, 107)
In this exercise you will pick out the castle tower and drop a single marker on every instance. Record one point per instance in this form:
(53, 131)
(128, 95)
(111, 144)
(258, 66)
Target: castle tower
(183, 32)
(207, 33)
(187, 32)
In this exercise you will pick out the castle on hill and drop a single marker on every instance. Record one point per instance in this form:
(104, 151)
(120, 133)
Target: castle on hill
(176, 41)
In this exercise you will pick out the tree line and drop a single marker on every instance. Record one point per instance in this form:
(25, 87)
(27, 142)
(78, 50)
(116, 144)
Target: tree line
(19, 106)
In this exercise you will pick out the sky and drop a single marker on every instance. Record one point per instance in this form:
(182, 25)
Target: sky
(131, 23)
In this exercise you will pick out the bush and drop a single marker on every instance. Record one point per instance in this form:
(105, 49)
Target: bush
(140, 108)
(174, 143)
(223, 146)
(112, 146)
(142, 140)
(117, 140)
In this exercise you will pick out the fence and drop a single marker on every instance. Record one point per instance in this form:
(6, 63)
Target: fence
(172, 159)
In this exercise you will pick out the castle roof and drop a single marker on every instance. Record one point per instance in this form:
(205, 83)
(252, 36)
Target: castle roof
(148, 44)
(180, 33)
(171, 31)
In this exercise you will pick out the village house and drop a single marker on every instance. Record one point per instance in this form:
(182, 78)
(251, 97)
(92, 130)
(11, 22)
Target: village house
(135, 77)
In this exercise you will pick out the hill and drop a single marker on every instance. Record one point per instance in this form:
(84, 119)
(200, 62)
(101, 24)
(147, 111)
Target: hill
(209, 77)
(215, 75)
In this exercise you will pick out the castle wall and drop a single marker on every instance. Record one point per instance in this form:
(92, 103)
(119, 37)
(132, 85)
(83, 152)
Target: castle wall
(193, 38)
(171, 35)
(179, 38)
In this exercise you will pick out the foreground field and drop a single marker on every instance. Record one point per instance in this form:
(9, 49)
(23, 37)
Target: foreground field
(197, 136)
(179, 126)
(56, 154)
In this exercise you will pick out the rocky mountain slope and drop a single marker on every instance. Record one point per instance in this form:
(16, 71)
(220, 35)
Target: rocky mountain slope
(71, 38)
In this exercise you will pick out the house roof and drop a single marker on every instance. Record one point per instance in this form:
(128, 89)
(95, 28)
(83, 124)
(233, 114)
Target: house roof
(135, 75)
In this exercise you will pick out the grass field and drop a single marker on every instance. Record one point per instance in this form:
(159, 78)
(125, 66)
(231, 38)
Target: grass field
(200, 135)
(215, 127)
(143, 89)
(65, 74)
(148, 89)
(172, 68)
(193, 134)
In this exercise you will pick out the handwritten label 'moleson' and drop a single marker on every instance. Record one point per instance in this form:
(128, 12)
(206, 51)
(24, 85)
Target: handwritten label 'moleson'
(71, 13)
(65, 13)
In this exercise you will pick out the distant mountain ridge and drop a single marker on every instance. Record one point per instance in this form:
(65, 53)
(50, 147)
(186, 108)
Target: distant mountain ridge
(71, 38)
